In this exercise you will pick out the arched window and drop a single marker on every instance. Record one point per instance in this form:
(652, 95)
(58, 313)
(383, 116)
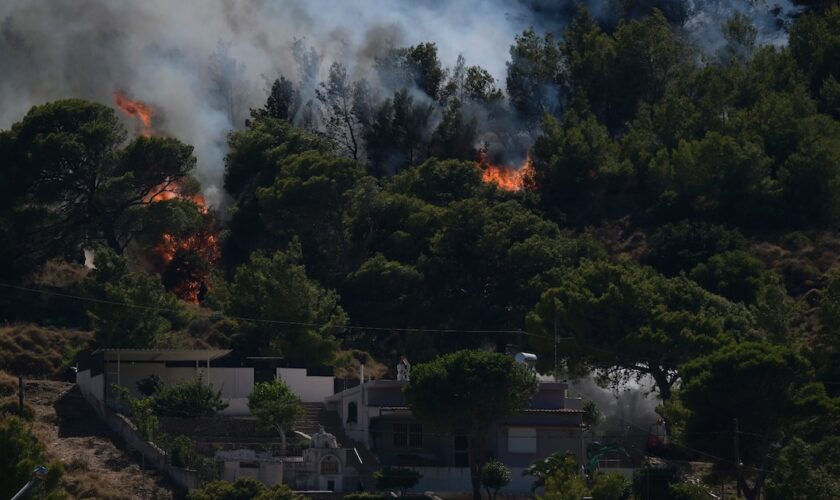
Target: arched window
(352, 412)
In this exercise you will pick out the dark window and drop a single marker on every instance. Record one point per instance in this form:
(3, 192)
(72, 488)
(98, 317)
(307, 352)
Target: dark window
(400, 435)
(415, 436)
(352, 412)
(249, 465)
(408, 436)
(461, 447)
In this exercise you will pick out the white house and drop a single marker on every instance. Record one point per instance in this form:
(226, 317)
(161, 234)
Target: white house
(234, 377)
(371, 421)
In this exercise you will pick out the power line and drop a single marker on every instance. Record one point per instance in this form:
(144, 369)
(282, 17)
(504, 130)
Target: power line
(272, 321)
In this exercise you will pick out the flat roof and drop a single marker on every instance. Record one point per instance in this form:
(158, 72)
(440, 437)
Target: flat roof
(163, 354)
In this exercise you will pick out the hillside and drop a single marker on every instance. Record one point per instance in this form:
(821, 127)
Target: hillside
(622, 190)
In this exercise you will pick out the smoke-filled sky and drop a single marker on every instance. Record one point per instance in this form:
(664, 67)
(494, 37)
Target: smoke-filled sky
(159, 51)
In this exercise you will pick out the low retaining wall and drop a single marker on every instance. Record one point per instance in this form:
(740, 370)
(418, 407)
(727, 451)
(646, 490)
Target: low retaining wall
(445, 480)
(154, 456)
(219, 426)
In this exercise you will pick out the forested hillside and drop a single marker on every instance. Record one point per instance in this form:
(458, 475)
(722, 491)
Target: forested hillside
(625, 201)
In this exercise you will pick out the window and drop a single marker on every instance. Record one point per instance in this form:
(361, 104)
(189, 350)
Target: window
(352, 412)
(408, 436)
(461, 448)
(522, 440)
(400, 435)
(415, 436)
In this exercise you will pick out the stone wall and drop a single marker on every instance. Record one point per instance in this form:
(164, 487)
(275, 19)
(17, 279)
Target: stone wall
(228, 427)
(154, 456)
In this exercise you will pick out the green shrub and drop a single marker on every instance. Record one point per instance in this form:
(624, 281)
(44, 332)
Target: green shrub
(400, 478)
(243, 489)
(494, 476)
(142, 413)
(148, 386)
(654, 483)
(688, 491)
(22, 452)
(611, 486)
(189, 399)
(182, 453)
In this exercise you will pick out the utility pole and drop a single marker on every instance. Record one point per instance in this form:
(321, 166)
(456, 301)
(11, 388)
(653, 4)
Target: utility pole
(556, 340)
(737, 455)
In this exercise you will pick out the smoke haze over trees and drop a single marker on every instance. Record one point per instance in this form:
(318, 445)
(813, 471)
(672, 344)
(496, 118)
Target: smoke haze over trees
(202, 65)
(673, 224)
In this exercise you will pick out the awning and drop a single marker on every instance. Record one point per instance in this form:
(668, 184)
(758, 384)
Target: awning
(162, 355)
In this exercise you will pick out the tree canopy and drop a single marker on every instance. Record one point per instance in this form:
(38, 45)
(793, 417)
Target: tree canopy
(469, 390)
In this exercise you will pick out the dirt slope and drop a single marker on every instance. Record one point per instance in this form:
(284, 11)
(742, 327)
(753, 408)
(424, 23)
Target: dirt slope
(97, 463)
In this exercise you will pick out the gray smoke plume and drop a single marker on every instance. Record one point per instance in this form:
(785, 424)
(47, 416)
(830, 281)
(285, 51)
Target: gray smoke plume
(202, 64)
(629, 411)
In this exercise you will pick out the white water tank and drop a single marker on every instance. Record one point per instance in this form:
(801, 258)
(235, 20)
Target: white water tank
(526, 358)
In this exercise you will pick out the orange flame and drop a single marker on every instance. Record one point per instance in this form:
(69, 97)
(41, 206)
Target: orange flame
(190, 281)
(204, 244)
(505, 177)
(143, 112)
(170, 190)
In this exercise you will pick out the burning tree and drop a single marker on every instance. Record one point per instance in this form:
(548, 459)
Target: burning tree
(80, 183)
(89, 185)
(186, 247)
(137, 109)
(505, 177)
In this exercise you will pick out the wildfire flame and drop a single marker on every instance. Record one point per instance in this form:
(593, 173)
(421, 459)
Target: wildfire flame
(170, 190)
(183, 260)
(143, 112)
(204, 244)
(506, 177)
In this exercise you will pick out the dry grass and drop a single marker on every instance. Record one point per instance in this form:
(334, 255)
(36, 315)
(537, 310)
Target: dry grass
(347, 365)
(59, 274)
(87, 484)
(95, 462)
(9, 406)
(804, 260)
(8, 384)
(32, 350)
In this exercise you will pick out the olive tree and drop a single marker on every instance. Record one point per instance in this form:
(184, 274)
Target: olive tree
(275, 406)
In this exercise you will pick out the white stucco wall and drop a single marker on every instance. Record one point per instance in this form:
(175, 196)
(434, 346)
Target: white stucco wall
(232, 382)
(311, 389)
(237, 407)
(268, 473)
(457, 479)
(91, 386)
(235, 384)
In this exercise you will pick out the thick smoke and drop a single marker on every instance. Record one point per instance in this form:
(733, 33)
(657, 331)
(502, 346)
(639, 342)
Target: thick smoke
(201, 65)
(633, 404)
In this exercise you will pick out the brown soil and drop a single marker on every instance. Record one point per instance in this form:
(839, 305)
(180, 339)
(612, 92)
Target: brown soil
(97, 465)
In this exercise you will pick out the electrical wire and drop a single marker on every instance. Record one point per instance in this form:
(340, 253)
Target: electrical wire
(274, 321)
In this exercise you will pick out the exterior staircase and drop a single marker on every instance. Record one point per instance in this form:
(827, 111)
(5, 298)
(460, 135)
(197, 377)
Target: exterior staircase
(318, 415)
